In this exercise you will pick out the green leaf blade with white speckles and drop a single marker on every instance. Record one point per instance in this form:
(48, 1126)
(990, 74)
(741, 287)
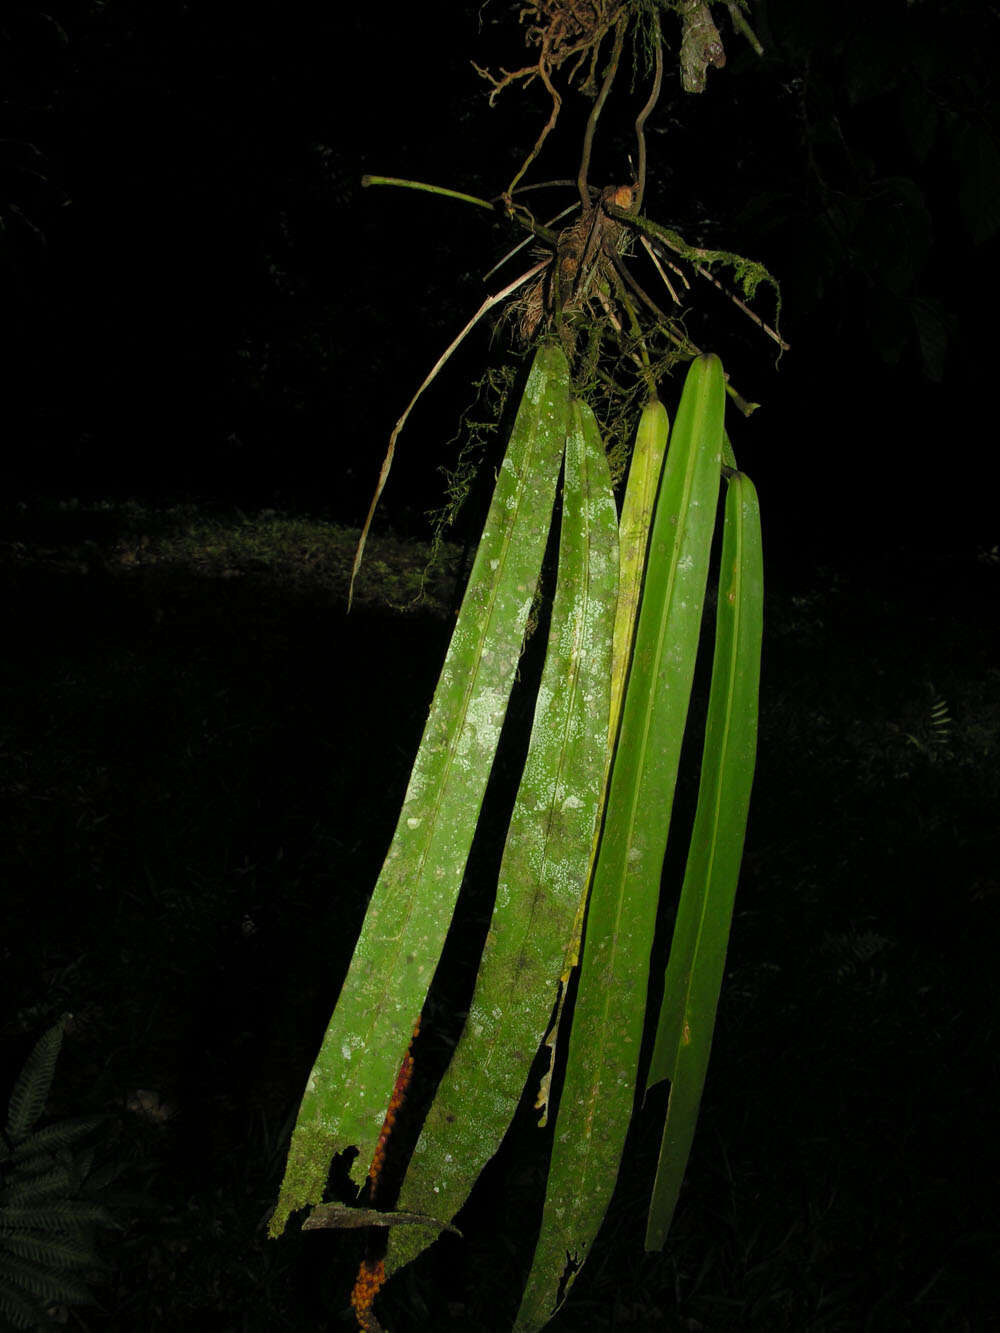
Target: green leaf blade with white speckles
(411, 906)
(595, 1105)
(644, 474)
(704, 913)
(645, 469)
(545, 862)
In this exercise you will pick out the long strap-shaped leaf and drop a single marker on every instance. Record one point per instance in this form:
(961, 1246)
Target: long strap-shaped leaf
(704, 913)
(411, 907)
(545, 860)
(597, 1098)
(638, 507)
(645, 470)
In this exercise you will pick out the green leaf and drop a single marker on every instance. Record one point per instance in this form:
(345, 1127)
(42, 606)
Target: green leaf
(58, 1135)
(894, 233)
(56, 1215)
(46, 1284)
(701, 932)
(634, 527)
(596, 1102)
(978, 158)
(546, 857)
(53, 1252)
(408, 916)
(19, 1311)
(22, 1188)
(31, 1091)
(644, 474)
(934, 329)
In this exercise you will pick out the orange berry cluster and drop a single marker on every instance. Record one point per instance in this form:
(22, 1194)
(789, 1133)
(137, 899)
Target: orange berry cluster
(367, 1285)
(395, 1102)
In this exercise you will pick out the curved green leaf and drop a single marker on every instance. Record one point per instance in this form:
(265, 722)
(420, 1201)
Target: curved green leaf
(410, 909)
(634, 528)
(644, 474)
(31, 1090)
(701, 932)
(45, 1141)
(545, 861)
(597, 1098)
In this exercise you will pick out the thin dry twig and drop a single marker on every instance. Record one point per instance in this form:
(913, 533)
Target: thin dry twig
(527, 241)
(659, 268)
(487, 305)
(628, 280)
(750, 314)
(663, 236)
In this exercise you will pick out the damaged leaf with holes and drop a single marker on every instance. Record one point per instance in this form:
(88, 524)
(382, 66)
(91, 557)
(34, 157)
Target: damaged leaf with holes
(349, 1088)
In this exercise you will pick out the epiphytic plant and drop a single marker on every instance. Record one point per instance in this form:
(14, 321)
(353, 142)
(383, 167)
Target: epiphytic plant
(579, 880)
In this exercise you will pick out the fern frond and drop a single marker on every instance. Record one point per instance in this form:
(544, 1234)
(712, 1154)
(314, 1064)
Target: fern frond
(22, 1188)
(935, 738)
(59, 1135)
(43, 1283)
(82, 1166)
(940, 722)
(19, 1312)
(65, 1215)
(102, 1177)
(31, 1090)
(47, 1216)
(66, 1252)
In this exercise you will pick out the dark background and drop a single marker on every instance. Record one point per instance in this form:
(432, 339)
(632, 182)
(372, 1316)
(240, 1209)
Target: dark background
(208, 330)
(203, 301)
